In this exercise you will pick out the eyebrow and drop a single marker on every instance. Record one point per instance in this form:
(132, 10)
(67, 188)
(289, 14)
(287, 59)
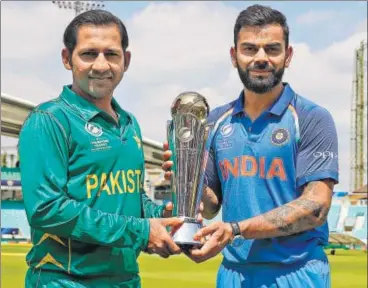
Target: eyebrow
(271, 45)
(91, 49)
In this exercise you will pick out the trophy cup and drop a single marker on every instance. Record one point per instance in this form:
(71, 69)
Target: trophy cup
(187, 133)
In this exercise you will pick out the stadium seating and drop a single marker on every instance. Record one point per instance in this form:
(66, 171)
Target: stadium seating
(333, 217)
(13, 215)
(360, 227)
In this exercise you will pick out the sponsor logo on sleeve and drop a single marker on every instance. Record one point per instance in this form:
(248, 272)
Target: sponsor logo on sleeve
(325, 155)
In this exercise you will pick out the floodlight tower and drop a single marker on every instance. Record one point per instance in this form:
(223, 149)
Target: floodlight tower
(358, 119)
(79, 6)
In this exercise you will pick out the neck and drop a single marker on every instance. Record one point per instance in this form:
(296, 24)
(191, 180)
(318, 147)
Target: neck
(255, 104)
(103, 103)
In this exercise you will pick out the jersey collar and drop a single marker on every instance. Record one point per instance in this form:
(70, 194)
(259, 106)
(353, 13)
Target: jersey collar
(85, 108)
(277, 108)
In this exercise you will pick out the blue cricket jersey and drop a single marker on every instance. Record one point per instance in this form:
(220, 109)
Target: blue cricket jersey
(261, 165)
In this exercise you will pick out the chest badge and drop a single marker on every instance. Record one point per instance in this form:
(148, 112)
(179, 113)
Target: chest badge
(93, 129)
(227, 130)
(280, 137)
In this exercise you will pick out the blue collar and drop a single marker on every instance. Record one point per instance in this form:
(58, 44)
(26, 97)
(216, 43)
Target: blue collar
(277, 108)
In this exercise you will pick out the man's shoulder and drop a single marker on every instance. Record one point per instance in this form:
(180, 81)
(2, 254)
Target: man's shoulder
(53, 109)
(307, 109)
(216, 113)
(49, 106)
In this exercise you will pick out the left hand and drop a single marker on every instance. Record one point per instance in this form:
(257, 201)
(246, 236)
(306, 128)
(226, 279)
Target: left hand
(220, 234)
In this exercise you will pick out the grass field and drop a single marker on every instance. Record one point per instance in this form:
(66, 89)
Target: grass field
(349, 269)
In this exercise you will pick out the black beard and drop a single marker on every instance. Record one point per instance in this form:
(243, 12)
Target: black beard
(259, 84)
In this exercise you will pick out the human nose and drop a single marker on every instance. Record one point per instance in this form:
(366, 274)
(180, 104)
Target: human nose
(101, 64)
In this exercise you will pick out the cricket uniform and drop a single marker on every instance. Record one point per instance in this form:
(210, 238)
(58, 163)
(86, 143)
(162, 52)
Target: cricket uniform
(82, 181)
(261, 165)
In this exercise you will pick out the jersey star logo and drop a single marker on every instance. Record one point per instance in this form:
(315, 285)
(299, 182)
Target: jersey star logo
(49, 259)
(139, 142)
(53, 237)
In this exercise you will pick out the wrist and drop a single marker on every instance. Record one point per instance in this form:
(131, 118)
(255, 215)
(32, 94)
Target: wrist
(244, 228)
(145, 233)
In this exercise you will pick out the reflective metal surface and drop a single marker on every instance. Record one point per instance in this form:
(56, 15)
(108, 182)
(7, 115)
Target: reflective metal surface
(187, 133)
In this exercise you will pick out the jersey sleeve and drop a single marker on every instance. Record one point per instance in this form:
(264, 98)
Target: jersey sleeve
(44, 153)
(317, 158)
(150, 209)
(211, 178)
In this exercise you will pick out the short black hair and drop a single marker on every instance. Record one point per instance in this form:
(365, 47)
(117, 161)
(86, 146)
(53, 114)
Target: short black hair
(259, 15)
(93, 17)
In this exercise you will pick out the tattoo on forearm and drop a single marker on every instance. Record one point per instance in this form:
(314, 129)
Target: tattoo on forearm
(276, 217)
(300, 214)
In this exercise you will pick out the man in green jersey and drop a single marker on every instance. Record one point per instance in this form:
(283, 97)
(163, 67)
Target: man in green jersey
(82, 168)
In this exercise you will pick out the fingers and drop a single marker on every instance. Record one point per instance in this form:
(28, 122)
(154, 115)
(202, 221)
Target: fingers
(208, 250)
(205, 231)
(199, 218)
(172, 247)
(167, 154)
(168, 210)
(201, 207)
(173, 222)
(165, 145)
(168, 175)
(167, 165)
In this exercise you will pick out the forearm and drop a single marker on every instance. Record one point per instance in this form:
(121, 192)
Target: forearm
(71, 219)
(304, 213)
(151, 209)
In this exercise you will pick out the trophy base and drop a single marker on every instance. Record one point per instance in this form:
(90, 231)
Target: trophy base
(183, 237)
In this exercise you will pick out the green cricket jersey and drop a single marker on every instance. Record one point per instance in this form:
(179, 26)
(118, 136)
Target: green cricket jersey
(82, 180)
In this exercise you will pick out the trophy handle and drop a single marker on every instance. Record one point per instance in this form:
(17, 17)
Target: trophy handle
(170, 140)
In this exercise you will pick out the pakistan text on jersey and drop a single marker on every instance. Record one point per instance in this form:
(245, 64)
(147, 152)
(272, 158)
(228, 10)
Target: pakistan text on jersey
(118, 182)
(250, 166)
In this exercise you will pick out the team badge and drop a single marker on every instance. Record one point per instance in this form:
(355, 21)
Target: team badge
(227, 130)
(93, 129)
(280, 136)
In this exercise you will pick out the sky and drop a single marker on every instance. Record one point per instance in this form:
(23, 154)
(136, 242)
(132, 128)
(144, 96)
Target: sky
(181, 46)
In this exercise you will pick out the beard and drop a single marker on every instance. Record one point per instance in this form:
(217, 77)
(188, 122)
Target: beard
(261, 84)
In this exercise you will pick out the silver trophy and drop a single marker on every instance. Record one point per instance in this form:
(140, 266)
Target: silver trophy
(187, 133)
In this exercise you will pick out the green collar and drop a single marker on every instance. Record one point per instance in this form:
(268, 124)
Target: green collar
(85, 108)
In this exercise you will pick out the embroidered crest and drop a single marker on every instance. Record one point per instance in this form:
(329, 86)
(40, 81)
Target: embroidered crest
(280, 137)
(93, 129)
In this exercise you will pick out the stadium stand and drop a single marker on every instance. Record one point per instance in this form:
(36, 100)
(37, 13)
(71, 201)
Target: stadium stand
(14, 221)
(333, 217)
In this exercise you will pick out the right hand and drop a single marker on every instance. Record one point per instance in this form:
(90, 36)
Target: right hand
(160, 242)
(166, 166)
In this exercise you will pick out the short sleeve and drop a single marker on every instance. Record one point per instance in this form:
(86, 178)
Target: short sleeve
(317, 158)
(211, 178)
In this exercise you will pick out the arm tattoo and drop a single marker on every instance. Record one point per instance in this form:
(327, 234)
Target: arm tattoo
(276, 217)
(299, 215)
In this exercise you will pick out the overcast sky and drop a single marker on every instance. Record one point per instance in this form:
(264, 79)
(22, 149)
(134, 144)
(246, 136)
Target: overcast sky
(179, 46)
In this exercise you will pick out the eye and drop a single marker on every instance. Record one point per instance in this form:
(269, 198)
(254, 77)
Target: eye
(89, 53)
(111, 54)
(272, 50)
(250, 49)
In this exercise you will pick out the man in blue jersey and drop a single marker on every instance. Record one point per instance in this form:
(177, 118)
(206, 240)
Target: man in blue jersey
(272, 167)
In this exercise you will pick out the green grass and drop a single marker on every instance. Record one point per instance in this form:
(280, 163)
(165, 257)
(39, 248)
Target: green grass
(349, 269)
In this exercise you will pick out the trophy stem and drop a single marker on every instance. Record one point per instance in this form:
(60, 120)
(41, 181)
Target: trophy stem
(183, 237)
